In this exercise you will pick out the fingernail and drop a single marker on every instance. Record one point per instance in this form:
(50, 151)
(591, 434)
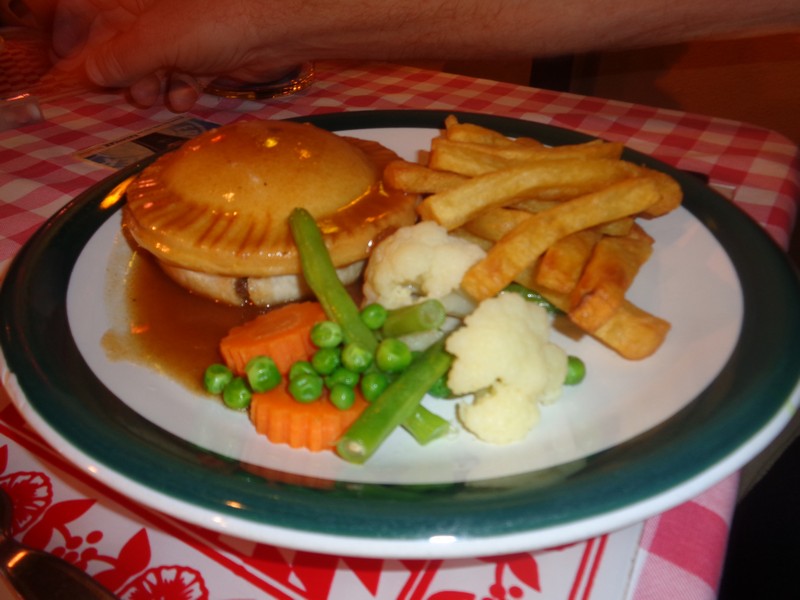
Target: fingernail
(182, 92)
(146, 92)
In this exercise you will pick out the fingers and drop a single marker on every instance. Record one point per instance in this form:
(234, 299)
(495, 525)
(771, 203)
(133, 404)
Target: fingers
(178, 91)
(182, 92)
(133, 43)
(147, 91)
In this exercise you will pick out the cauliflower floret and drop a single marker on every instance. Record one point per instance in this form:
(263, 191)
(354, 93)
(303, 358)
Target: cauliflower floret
(503, 355)
(500, 415)
(418, 262)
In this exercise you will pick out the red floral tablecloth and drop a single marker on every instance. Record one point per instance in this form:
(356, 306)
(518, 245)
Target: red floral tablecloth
(139, 553)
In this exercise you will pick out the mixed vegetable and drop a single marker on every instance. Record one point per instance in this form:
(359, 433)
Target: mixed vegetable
(328, 374)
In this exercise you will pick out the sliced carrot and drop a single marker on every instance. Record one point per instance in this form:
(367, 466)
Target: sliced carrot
(315, 425)
(283, 334)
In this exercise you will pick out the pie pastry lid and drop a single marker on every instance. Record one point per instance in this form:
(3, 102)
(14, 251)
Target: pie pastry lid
(220, 203)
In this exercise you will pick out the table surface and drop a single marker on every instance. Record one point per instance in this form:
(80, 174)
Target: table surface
(134, 550)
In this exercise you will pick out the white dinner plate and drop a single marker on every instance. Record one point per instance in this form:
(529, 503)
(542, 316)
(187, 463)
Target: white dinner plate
(635, 438)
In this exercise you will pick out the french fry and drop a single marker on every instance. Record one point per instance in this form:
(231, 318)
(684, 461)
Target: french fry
(608, 274)
(631, 332)
(463, 158)
(619, 227)
(522, 246)
(634, 333)
(469, 158)
(561, 266)
(669, 190)
(452, 208)
(559, 220)
(494, 223)
(469, 132)
(535, 205)
(418, 179)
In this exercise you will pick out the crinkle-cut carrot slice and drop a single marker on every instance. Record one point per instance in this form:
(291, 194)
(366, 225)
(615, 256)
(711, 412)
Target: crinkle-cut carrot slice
(283, 334)
(316, 425)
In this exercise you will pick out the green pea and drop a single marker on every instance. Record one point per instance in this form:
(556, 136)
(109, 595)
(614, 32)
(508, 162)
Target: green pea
(262, 373)
(237, 394)
(393, 355)
(440, 389)
(342, 396)
(325, 360)
(306, 387)
(374, 316)
(301, 367)
(342, 376)
(216, 377)
(373, 384)
(326, 334)
(576, 371)
(356, 358)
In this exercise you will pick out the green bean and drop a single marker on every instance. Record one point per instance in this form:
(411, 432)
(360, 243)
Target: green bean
(424, 316)
(320, 274)
(533, 296)
(394, 406)
(426, 426)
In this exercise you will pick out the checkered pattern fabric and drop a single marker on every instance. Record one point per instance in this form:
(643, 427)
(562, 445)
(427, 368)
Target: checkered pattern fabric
(681, 550)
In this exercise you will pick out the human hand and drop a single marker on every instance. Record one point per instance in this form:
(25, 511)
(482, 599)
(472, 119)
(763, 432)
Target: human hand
(170, 48)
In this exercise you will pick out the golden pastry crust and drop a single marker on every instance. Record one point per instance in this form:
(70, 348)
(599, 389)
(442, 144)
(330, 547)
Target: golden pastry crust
(219, 204)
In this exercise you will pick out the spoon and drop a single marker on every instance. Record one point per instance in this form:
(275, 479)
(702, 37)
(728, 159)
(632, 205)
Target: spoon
(37, 575)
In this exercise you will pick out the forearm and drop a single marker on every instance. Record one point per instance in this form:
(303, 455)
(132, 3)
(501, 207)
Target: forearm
(476, 28)
(130, 43)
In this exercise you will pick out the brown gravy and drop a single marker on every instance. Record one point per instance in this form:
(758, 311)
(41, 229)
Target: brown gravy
(170, 329)
(176, 332)
(167, 328)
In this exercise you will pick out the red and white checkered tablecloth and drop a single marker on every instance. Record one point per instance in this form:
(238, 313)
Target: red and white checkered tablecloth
(142, 554)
